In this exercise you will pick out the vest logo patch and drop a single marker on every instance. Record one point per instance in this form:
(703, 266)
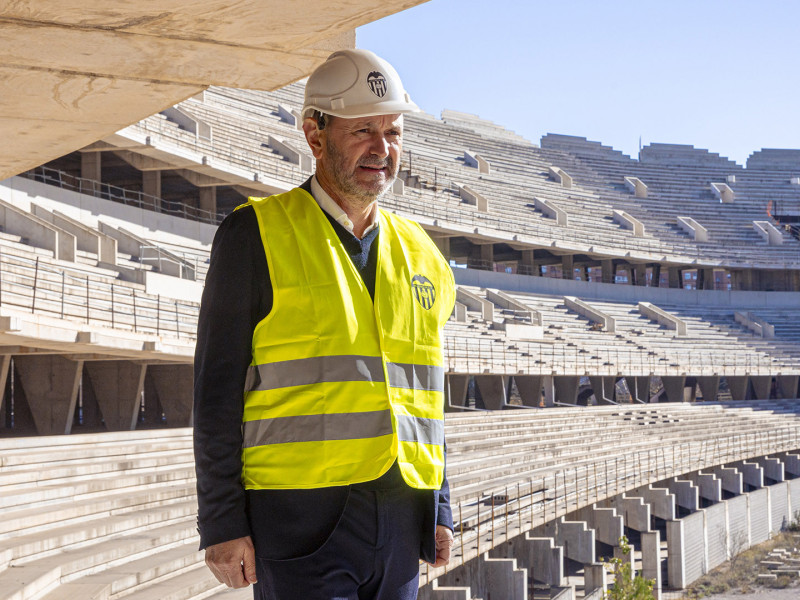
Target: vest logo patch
(424, 291)
(377, 83)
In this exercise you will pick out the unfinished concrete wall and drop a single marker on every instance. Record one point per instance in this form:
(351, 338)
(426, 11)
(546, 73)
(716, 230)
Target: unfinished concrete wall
(174, 385)
(118, 386)
(686, 493)
(738, 525)
(758, 506)
(51, 385)
(635, 511)
(487, 578)
(780, 517)
(687, 550)
(716, 534)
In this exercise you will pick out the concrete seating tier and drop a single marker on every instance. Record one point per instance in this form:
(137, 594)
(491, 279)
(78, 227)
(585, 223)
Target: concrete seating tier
(33, 281)
(112, 515)
(571, 344)
(678, 179)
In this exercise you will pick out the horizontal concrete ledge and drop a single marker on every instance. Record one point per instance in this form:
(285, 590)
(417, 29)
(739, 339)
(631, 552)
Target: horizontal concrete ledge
(755, 324)
(290, 115)
(559, 175)
(668, 320)
(512, 282)
(475, 302)
(635, 185)
(188, 122)
(476, 161)
(549, 209)
(500, 298)
(693, 228)
(629, 222)
(723, 192)
(290, 153)
(768, 232)
(591, 313)
(473, 198)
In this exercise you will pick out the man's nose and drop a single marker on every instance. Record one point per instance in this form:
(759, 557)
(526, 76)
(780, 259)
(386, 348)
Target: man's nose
(379, 145)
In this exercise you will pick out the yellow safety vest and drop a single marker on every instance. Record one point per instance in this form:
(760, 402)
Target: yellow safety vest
(340, 387)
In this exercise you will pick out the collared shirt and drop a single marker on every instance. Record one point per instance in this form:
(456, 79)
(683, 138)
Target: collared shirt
(328, 204)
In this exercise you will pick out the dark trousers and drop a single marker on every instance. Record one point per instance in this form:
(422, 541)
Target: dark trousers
(373, 554)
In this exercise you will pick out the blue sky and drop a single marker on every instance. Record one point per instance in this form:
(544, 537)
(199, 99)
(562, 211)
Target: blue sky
(724, 76)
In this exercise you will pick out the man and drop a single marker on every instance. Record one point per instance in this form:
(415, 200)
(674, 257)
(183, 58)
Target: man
(319, 438)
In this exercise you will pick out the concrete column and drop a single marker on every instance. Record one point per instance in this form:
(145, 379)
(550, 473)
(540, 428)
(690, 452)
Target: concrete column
(118, 387)
(487, 256)
(660, 500)
(773, 469)
(686, 494)
(577, 540)
(547, 560)
(208, 199)
(639, 387)
(503, 579)
(443, 243)
(528, 261)
(787, 386)
(761, 386)
(604, 388)
(493, 390)
(709, 487)
(738, 386)
(656, 281)
(676, 559)
(568, 266)
(709, 387)
(566, 387)
(173, 384)
(635, 511)
(731, 480)
(705, 279)
(674, 387)
(151, 183)
(548, 382)
(675, 275)
(608, 526)
(651, 559)
(608, 270)
(594, 578)
(5, 365)
(530, 389)
(791, 465)
(91, 165)
(457, 386)
(752, 474)
(51, 387)
(639, 274)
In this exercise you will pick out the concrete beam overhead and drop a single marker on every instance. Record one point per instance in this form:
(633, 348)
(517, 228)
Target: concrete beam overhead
(78, 71)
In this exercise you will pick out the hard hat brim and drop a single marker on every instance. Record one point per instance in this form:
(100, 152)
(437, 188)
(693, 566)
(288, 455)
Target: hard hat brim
(355, 112)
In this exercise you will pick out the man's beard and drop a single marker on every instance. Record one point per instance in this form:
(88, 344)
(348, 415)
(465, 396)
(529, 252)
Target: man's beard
(347, 183)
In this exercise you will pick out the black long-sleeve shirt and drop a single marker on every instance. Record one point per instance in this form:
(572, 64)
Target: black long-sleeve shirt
(237, 296)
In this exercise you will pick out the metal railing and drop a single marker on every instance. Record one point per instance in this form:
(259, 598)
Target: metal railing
(498, 514)
(114, 193)
(40, 288)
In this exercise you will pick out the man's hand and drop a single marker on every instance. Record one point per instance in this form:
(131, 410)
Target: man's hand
(234, 563)
(444, 542)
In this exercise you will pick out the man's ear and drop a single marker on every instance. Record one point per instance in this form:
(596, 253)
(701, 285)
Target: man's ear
(313, 136)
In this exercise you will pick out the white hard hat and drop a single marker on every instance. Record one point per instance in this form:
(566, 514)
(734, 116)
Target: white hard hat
(356, 83)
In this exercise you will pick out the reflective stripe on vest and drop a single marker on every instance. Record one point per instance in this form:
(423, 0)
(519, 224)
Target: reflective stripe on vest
(342, 386)
(319, 369)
